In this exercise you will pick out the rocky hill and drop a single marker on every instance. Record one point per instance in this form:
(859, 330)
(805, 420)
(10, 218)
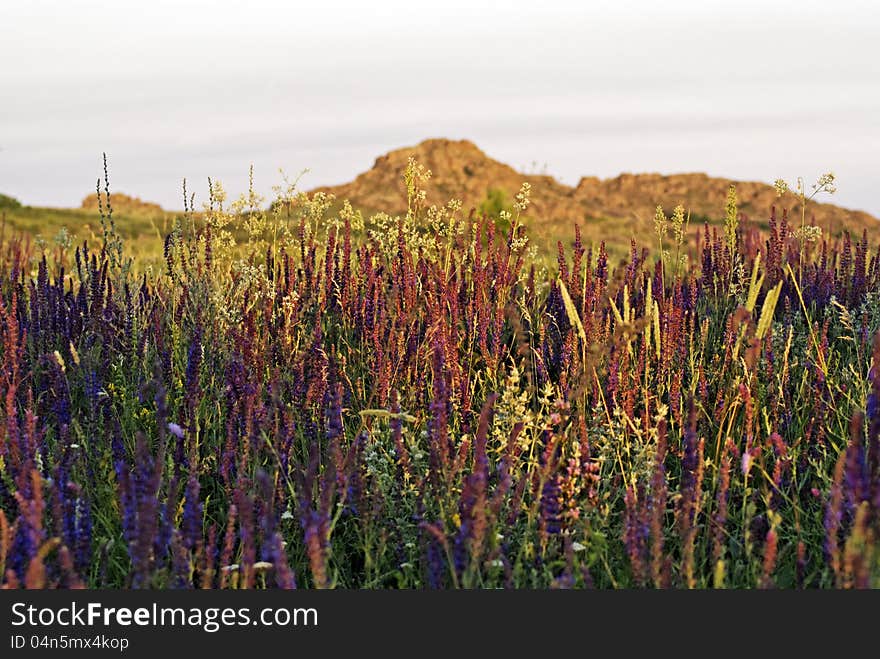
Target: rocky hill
(612, 209)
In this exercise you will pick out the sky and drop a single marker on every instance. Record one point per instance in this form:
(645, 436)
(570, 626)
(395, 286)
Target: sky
(194, 89)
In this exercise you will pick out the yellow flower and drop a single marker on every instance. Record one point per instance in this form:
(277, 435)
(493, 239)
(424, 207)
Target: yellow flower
(60, 360)
(781, 187)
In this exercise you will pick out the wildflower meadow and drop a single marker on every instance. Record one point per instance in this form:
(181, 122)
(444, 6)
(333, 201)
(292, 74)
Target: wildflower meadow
(299, 396)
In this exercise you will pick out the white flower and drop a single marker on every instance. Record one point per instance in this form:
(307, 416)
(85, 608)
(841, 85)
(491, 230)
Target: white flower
(522, 197)
(826, 183)
(808, 233)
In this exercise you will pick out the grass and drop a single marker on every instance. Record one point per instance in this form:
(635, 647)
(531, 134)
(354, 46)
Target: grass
(55, 227)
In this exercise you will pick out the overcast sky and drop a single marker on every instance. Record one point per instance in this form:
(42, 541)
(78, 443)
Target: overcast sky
(174, 89)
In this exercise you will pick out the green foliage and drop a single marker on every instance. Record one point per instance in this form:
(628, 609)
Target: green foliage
(497, 206)
(8, 203)
(496, 202)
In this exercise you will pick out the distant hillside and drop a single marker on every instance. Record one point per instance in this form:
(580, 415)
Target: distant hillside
(123, 203)
(143, 225)
(612, 209)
